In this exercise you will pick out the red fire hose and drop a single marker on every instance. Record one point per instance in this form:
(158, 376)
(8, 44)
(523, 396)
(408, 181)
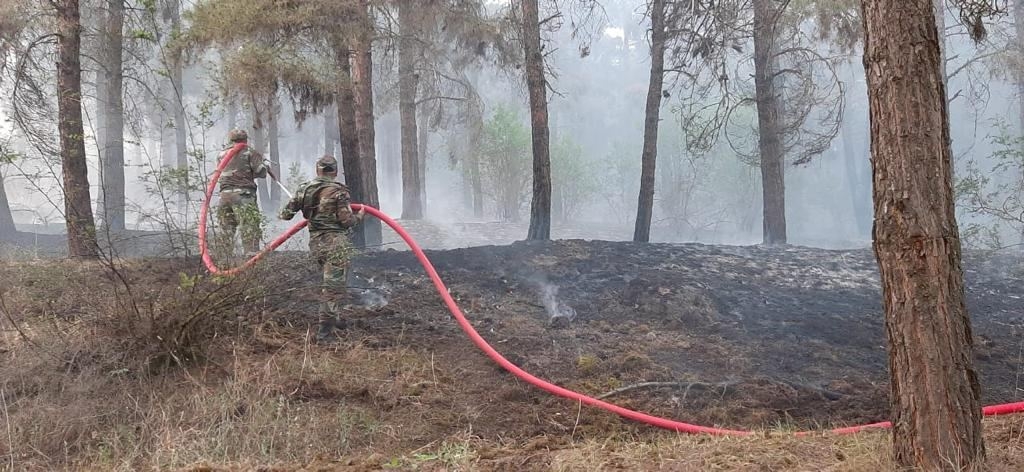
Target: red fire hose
(482, 344)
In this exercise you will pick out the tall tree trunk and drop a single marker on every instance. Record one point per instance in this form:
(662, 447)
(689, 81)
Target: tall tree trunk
(770, 149)
(258, 140)
(274, 151)
(7, 228)
(347, 130)
(645, 205)
(936, 412)
(939, 6)
(540, 206)
(362, 80)
(81, 227)
(112, 180)
(408, 82)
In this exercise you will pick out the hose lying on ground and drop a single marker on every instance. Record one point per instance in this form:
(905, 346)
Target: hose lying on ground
(482, 344)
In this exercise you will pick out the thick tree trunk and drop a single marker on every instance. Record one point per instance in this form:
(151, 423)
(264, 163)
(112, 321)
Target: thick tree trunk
(258, 141)
(111, 139)
(274, 151)
(362, 80)
(347, 130)
(935, 390)
(645, 205)
(81, 227)
(770, 149)
(540, 206)
(412, 205)
(7, 228)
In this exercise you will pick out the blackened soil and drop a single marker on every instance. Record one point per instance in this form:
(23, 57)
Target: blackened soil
(741, 337)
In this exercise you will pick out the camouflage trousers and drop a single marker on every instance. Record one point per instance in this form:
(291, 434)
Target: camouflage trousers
(332, 251)
(238, 209)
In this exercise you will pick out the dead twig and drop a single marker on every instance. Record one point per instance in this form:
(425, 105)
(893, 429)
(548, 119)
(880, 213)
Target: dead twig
(579, 412)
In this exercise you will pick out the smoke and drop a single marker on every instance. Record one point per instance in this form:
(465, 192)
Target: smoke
(556, 309)
(369, 295)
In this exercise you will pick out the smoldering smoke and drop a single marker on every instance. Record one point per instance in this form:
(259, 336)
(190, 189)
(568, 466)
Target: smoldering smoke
(556, 309)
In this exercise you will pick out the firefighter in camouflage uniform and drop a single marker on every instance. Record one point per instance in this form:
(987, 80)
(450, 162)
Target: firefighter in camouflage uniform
(238, 208)
(325, 203)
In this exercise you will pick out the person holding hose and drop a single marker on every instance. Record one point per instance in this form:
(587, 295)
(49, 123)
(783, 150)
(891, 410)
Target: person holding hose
(238, 206)
(326, 205)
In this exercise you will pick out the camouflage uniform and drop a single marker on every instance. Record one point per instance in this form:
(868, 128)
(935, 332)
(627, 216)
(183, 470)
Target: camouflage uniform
(238, 207)
(325, 204)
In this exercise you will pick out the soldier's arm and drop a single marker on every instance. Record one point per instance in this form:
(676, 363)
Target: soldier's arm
(259, 165)
(294, 205)
(346, 217)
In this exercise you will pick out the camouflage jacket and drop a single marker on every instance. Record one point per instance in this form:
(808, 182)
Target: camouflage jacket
(324, 203)
(243, 170)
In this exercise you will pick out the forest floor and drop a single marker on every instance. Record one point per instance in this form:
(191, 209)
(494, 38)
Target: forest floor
(147, 364)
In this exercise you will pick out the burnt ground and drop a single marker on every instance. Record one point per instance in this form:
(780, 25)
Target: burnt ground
(747, 337)
(739, 337)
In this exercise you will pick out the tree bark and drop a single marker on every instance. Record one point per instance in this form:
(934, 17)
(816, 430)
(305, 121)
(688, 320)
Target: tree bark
(349, 137)
(540, 206)
(412, 183)
(934, 387)
(81, 227)
(274, 151)
(362, 80)
(273, 142)
(645, 205)
(939, 7)
(770, 149)
(111, 139)
(258, 141)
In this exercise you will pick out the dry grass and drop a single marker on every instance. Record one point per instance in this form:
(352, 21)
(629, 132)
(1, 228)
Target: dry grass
(76, 394)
